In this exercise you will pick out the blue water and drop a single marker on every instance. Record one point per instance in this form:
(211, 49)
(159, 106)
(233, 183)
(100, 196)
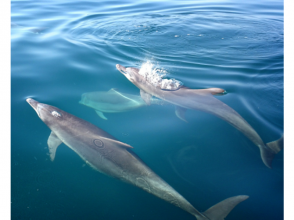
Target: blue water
(62, 49)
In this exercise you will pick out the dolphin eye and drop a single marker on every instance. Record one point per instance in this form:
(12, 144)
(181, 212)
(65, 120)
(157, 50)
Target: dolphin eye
(56, 114)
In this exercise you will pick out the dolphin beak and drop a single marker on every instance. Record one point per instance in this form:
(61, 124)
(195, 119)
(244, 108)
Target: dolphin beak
(121, 68)
(34, 104)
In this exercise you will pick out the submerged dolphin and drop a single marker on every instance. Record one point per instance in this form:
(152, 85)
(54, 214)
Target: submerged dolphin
(109, 156)
(33, 30)
(113, 101)
(202, 99)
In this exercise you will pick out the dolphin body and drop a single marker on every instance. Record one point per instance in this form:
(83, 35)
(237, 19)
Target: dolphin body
(113, 101)
(202, 99)
(109, 156)
(33, 30)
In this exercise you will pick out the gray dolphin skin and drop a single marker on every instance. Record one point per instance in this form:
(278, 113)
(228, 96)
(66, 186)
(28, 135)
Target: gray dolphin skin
(113, 101)
(107, 155)
(202, 99)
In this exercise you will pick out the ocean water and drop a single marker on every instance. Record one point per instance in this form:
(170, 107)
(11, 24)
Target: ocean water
(62, 49)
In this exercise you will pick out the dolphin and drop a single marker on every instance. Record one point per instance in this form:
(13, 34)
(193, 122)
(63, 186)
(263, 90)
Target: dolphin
(107, 155)
(202, 99)
(33, 30)
(113, 101)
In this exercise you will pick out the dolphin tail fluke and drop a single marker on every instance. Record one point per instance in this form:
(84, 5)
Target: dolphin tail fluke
(222, 209)
(277, 145)
(268, 153)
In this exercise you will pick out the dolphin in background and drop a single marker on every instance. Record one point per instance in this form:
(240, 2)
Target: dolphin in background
(202, 99)
(107, 155)
(113, 101)
(33, 30)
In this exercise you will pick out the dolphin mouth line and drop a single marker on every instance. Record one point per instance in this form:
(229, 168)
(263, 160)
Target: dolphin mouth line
(123, 72)
(34, 104)
(37, 106)
(126, 74)
(122, 69)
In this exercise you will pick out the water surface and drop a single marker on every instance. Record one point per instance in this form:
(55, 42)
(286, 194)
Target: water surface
(62, 49)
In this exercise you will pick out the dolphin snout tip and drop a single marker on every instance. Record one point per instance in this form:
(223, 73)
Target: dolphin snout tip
(29, 99)
(33, 103)
(120, 68)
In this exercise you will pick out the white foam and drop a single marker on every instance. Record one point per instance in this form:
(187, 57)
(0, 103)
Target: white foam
(156, 77)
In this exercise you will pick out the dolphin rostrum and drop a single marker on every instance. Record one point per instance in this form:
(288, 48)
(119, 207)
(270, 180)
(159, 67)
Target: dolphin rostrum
(202, 99)
(113, 101)
(107, 155)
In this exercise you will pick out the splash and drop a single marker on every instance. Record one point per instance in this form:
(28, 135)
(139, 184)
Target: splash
(155, 76)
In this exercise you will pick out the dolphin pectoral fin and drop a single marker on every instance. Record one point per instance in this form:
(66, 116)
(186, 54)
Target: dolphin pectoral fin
(53, 142)
(223, 208)
(268, 153)
(100, 115)
(180, 113)
(146, 97)
(124, 145)
(155, 101)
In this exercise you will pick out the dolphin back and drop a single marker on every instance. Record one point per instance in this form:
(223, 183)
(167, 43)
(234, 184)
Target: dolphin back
(111, 100)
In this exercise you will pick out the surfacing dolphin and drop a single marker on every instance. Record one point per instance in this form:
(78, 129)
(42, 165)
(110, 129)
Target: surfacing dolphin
(202, 99)
(107, 155)
(113, 101)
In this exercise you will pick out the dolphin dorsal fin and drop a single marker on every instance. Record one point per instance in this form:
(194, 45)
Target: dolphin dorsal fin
(212, 91)
(53, 142)
(125, 96)
(180, 113)
(117, 142)
(217, 91)
(146, 97)
(113, 90)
